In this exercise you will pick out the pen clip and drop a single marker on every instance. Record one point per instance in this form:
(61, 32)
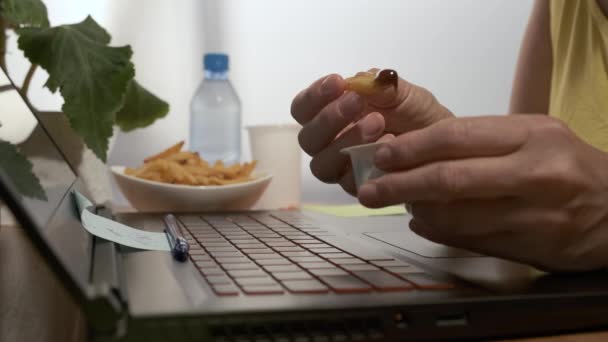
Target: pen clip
(179, 246)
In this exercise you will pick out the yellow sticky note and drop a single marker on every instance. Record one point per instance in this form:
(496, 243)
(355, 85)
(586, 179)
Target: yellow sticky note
(355, 210)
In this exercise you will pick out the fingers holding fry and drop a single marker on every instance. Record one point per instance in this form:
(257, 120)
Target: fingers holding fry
(184, 167)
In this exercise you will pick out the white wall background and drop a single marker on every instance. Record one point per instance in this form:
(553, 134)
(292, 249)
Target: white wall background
(464, 51)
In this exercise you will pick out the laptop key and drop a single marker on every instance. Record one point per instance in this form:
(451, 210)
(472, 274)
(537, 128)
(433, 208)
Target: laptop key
(332, 256)
(383, 281)
(345, 284)
(289, 249)
(294, 235)
(251, 245)
(266, 235)
(268, 262)
(348, 261)
(199, 229)
(239, 241)
(236, 236)
(246, 273)
(232, 260)
(360, 267)
(204, 236)
(212, 271)
(315, 245)
(265, 256)
(298, 254)
(206, 264)
(327, 272)
(282, 268)
(218, 279)
(226, 290)
(263, 289)
(226, 248)
(291, 275)
(256, 281)
(216, 243)
(305, 286)
(221, 254)
(308, 239)
(321, 264)
(190, 219)
(243, 266)
(281, 244)
(425, 281)
(200, 256)
(257, 250)
(213, 240)
(310, 258)
(324, 250)
(280, 239)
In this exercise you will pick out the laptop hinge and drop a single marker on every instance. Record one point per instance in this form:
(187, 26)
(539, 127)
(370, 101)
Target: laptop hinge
(108, 285)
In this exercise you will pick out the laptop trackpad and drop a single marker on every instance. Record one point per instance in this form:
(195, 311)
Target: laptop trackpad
(413, 243)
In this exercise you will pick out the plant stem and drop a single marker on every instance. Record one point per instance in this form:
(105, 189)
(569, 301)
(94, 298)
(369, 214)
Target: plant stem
(6, 88)
(2, 43)
(28, 79)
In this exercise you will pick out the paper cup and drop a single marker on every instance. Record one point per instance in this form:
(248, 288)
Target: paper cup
(276, 149)
(362, 159)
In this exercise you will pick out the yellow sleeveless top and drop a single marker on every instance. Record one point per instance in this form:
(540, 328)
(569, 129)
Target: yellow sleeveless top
(579, 86)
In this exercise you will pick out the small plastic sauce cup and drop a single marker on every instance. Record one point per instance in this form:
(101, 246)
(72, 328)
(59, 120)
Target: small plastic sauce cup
(362, 158)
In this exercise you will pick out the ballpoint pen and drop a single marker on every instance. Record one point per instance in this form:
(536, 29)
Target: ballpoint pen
(179, 245)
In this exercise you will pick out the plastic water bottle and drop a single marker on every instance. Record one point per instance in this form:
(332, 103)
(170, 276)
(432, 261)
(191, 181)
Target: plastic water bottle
(215, 114)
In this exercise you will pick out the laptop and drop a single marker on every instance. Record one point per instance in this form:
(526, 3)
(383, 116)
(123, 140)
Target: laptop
(288, 275)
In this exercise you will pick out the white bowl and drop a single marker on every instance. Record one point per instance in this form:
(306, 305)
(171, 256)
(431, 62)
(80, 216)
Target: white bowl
(149, 196)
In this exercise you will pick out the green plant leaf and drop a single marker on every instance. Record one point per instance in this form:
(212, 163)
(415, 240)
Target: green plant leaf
(19, 171)
(91, 76)
(141, 108)
(25, 13)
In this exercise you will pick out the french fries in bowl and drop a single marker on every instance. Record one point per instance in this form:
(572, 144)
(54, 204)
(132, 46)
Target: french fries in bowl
(181, 181)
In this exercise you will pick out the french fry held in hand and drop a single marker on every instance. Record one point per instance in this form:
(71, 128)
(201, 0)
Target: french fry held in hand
(372, 82)
(184, 167)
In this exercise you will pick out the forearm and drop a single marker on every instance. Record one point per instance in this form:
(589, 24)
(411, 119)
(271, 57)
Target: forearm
(532, 83)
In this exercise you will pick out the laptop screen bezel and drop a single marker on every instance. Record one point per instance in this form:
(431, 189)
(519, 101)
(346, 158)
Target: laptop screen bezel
(83, 292)
(10, 197)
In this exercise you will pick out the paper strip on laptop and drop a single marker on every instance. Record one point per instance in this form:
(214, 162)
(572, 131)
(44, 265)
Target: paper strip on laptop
(118, 232)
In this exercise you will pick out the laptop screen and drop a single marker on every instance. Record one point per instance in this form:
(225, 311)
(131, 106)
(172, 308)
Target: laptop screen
(50, 205)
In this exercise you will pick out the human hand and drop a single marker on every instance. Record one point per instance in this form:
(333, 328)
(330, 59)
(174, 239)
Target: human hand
(334, 119)
(521, 187)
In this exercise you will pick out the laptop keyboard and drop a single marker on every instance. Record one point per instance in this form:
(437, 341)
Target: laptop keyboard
(281, 253)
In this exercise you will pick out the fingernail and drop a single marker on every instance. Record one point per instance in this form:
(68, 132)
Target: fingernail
(419, 227)
(351, 105)
(368, 194)
(413, 225)
(329, 87)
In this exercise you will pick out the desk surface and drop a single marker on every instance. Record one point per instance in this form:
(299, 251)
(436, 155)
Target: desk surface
(35, 307)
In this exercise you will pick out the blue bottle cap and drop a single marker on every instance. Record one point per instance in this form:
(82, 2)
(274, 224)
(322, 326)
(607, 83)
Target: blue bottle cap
(216, 62)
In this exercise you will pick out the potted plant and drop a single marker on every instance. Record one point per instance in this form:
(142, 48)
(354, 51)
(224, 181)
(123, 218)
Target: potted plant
(96, 81)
